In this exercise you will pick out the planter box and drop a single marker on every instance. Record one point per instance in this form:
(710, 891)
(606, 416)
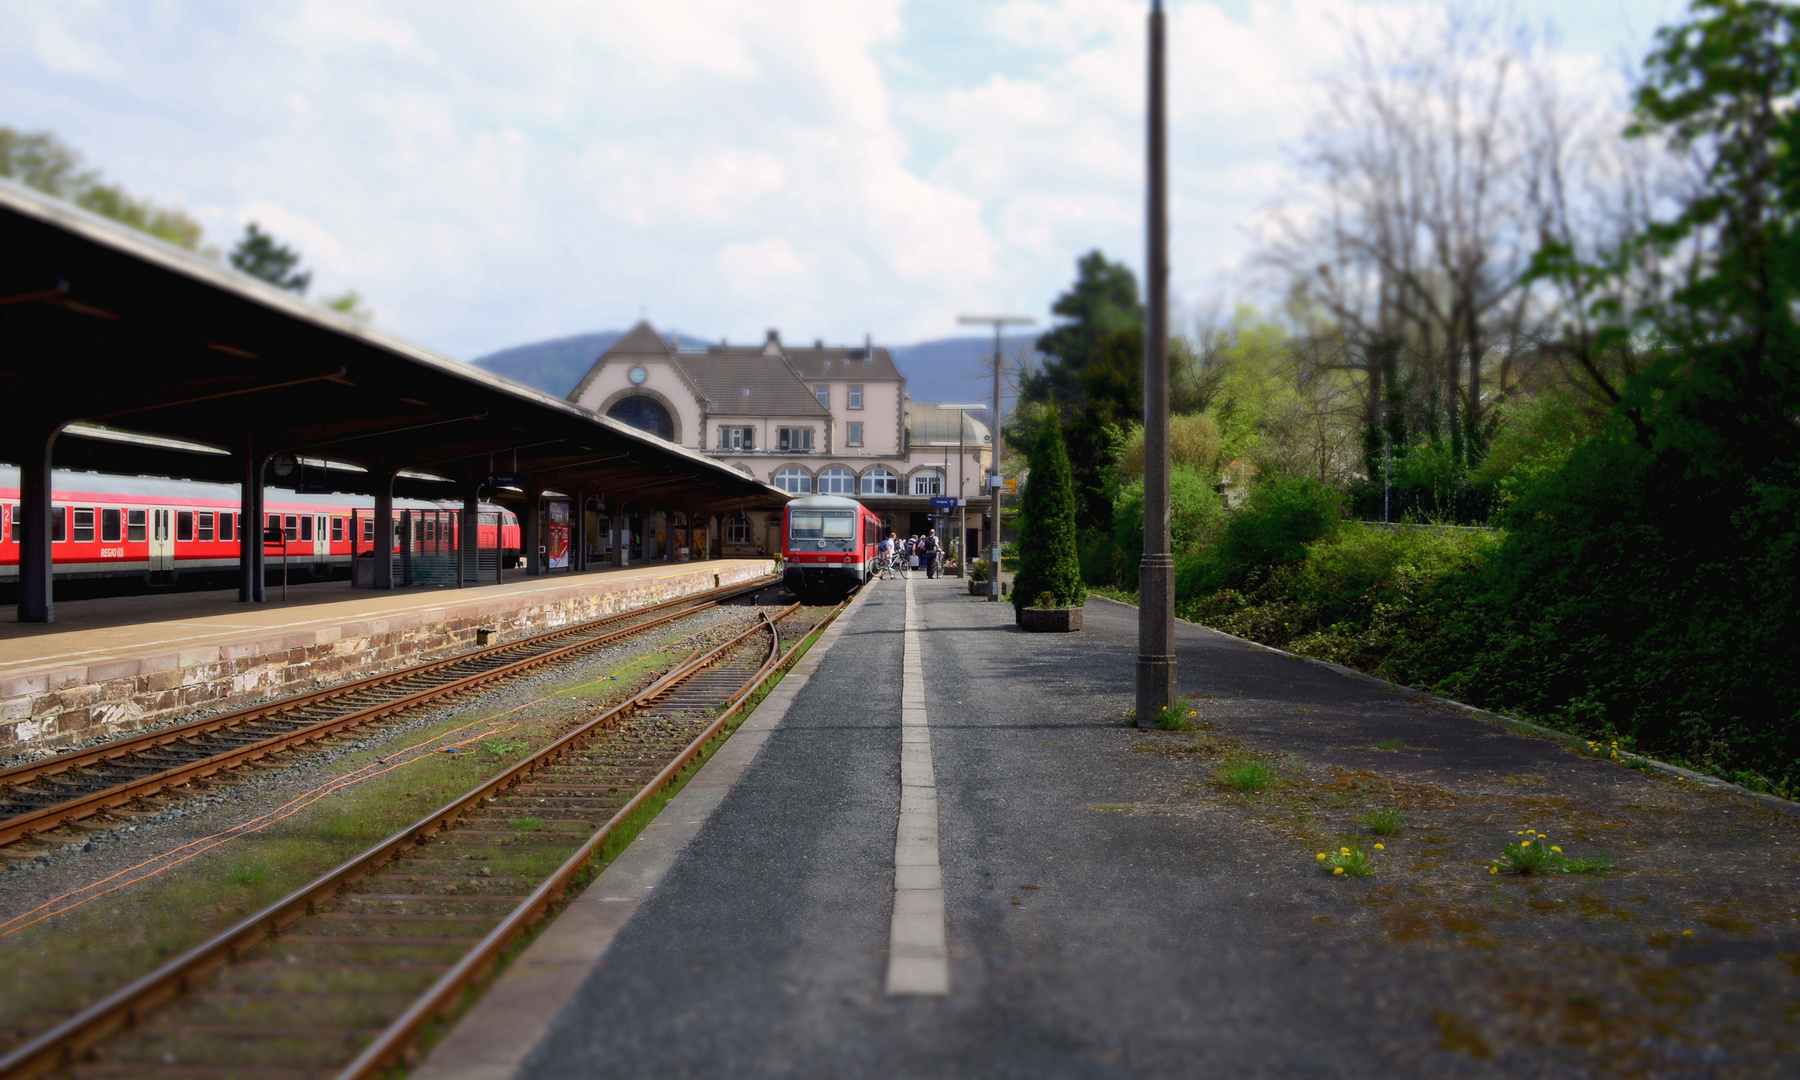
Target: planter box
(978, 588)
(1055, 620)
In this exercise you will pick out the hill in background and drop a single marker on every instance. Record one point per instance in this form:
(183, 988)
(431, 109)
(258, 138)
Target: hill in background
(947, 369)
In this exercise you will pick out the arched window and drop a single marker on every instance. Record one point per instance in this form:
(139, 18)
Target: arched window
(928, 482)
(794, 481)
(837, 480)
(880, 481)
(645, 414)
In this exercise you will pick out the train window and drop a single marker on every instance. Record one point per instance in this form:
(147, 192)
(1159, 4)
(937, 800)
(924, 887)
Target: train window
(821, 525)
(59, 524)
(337, 530)
(111, 528)
(18, 524)
(368, 530)
(306, 527)
(135, 521)
(226, 521)
(205, 526)
(84, 525)
(184, 525)
(290, 528)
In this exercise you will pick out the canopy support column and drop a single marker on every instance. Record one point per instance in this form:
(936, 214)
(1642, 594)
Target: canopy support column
(252, 588)
(384, 525)
(36, 602)
(468, 539)
(534, 532)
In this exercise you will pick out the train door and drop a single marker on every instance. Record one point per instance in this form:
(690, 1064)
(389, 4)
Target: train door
(162, 540)
(321, 537)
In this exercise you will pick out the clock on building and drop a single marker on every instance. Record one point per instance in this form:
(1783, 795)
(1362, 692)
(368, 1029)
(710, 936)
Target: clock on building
(638, 375)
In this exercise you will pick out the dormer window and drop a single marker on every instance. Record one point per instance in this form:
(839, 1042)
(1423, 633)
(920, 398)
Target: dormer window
(737, 438)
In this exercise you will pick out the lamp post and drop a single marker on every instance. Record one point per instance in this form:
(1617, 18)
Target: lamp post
(962, 509)
(1156, 686)
(999, 323)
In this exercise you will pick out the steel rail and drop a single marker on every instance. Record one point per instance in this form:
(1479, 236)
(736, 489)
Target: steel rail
(23, 825)
(391, 1046)
(66, 1042)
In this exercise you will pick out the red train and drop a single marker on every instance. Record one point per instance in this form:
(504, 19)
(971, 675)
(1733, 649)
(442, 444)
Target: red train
(828, 543)
(133, 527)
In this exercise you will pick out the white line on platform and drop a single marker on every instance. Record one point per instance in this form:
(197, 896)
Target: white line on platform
(918, 956)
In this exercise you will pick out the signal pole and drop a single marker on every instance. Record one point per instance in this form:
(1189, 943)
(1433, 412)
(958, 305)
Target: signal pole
(1156, 688)
(999, 322)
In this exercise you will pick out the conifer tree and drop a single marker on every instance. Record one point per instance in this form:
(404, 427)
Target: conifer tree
(1047, 562)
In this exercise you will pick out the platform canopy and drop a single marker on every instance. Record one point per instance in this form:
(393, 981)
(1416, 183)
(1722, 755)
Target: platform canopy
(104, 326)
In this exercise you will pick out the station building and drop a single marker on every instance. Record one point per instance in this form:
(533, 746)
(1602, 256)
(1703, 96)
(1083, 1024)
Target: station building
(827, 420)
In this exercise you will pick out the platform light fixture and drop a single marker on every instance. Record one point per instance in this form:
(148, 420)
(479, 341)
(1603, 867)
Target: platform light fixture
(962, 508)
(999, 323)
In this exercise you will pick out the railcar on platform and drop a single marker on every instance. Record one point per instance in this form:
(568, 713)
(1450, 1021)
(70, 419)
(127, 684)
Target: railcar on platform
(828, 546)
(156, 531)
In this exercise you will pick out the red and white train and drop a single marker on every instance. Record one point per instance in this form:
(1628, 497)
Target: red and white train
(134, 527)
(828, 544)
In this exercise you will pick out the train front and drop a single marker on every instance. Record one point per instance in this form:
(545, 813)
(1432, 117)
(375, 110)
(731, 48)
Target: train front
(824, 561)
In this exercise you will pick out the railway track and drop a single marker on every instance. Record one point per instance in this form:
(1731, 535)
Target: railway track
(43, 795)
(344, 976)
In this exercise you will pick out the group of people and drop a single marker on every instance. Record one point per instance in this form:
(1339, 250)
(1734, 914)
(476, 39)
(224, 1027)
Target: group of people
(914, 551)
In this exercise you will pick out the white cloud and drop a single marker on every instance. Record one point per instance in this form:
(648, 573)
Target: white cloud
(491, 172)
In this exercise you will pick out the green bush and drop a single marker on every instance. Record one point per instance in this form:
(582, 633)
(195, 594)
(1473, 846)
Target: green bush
(1279, 519)
(1196, 520)
(1047, 562)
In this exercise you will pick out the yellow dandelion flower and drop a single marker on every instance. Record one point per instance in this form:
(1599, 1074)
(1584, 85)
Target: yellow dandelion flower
(1521, 832)
(1321, 857)
(1493, 869)
(1687, 933)
(1380, 847)
(1556, 849)
(1337, 869)
(1526, 844)
(1344, 850)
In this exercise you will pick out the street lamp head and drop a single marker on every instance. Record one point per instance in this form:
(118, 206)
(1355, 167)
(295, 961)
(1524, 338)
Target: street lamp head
(996, 320)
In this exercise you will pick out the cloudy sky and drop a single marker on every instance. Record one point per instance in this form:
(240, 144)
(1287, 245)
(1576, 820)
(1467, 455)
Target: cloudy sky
(495, 172)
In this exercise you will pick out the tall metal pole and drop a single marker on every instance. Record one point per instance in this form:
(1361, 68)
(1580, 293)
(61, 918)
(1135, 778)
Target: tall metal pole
(993, 473)
(1156, 574)
(1000, 322)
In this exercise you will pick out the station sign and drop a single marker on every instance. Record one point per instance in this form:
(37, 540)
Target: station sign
(505, 479)
(946, 502)
(312, 489)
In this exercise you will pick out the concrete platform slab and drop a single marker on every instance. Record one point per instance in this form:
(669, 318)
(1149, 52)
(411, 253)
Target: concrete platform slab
(1113, 909)
(111, 665)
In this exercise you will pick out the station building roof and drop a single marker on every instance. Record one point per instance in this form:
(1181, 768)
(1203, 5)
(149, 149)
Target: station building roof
(131, 337)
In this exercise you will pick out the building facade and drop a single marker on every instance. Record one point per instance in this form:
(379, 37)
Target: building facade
(822, 419)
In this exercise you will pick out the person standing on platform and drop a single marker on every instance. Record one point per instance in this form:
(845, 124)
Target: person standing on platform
(929, 551)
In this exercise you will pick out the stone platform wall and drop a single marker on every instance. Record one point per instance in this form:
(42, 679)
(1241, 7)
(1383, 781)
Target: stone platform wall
(48, 711)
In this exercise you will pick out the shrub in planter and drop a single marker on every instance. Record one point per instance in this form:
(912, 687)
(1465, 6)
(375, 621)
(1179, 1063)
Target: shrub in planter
(978, 570)
(1047, 617)
(1047, 562)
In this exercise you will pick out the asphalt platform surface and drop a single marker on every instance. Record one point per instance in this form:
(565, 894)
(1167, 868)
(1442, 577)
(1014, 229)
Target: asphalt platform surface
(1110, 912)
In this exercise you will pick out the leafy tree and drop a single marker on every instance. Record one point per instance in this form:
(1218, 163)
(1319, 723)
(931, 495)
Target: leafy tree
(259, 255)
(1092, 377)
(42, 161)
(1047, 562)
(350, 302)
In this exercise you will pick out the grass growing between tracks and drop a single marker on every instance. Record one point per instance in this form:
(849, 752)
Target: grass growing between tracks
(628, 829)
(58, 966)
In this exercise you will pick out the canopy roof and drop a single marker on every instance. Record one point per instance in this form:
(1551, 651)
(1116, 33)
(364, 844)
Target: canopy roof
(102, 324)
